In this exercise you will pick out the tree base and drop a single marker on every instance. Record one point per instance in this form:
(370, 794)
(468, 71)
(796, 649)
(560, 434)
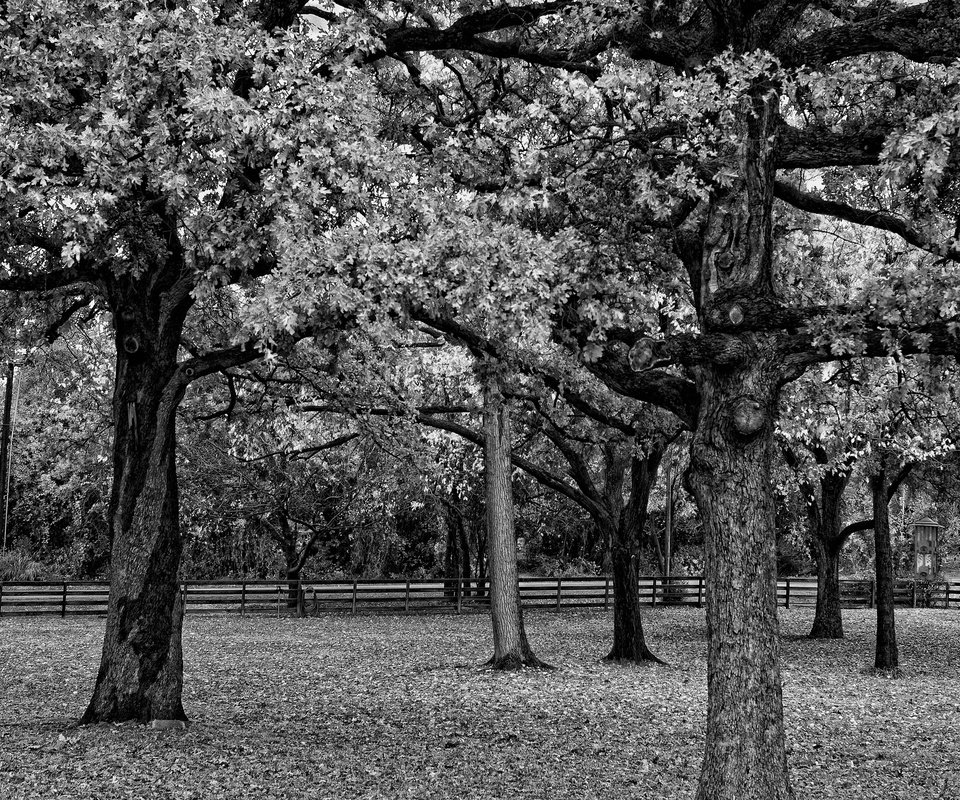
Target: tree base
(826, 630)
(646, 658)
(515, 661)
(890, 673)
(823, 634)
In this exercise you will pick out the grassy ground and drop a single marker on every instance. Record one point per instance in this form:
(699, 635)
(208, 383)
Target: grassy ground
(394, 707)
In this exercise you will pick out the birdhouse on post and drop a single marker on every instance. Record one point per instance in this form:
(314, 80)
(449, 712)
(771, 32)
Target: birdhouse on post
(926, 533)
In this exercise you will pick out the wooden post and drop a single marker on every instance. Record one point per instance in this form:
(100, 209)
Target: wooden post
(459, 595)
(914, 600)
(243, 598)
(63, 603)
(700, 592)
(787, 598)
(301, 600)
(873, 592)
(406, 598)
(183, 596)
(606, 592)
(1, 595)
(353, 608)
(653, 592)
(559, 590)
(316, 608)
(278, 600)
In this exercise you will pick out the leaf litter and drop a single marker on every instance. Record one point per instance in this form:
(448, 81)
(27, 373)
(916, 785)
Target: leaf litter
(396, 707)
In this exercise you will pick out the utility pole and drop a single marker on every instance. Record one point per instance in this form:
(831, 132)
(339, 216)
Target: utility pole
(5, 451)
(668, 527)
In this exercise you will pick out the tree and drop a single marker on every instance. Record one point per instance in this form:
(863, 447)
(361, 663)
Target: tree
(510, 647)
(151, 173)
(709, 102)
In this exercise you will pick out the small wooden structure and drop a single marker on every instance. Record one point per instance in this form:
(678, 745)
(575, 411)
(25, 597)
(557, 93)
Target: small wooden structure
(926, 534)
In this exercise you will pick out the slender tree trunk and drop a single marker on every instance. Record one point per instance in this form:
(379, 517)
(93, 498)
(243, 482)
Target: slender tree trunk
(827, 620)
(452, 555)
(745, 754)
(141, 668)
(887, 656)
(629, 643)
(510, 647)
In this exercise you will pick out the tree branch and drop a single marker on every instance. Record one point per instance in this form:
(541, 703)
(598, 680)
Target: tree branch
(539, 474)
(929, 33)
(881, 220)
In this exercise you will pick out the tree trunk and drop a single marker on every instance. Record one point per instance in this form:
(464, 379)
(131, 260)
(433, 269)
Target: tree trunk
(887, 656)
(745, 754)
(141, 669)
(629, 643)
(827, 620)
(510, 647)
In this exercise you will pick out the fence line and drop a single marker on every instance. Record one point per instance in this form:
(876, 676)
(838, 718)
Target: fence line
(402, 595)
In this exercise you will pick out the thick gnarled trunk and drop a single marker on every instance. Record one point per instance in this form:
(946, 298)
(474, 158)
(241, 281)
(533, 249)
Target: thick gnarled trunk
(745, 752)
(141, 668)
(510, 647)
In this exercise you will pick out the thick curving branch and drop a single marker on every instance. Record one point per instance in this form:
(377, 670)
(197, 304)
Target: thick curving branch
(882, 220)
(926, 33)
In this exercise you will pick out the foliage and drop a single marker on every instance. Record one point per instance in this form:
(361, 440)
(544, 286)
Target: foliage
(17, 565)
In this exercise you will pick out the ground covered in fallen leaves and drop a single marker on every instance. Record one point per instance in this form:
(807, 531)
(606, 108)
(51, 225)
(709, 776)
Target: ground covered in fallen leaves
(395, 707)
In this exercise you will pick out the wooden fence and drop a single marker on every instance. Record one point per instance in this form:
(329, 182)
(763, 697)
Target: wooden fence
(398, 596)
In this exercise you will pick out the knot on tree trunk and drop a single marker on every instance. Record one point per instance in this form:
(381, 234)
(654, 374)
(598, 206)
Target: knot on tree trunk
(748, 417)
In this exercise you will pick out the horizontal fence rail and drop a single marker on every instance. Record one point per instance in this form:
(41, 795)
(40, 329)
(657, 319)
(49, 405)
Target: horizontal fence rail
(399, 596)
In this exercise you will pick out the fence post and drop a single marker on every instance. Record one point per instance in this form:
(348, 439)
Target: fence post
(914, 598)
(278, 600)
(1, 595)
(316, 608)
(183, 596)
(63, 602)
(873, 592)
(559, 590)
(606, 592)
(653, 592)
(243, 598)
(459, 594)
(406, 598)
(700, 592)
(353, 605)
(787, 598)
(301, 600)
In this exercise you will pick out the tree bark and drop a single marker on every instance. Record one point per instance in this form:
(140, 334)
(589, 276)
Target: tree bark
(510, 647)
(141, 668)
(745, 752)
(827, 619)
(887, 656)
(629, 643)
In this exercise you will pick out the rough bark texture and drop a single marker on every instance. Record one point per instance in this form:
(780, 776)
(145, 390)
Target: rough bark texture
(745, 752)
(887, 656)
(510, 647)
(141, 669)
